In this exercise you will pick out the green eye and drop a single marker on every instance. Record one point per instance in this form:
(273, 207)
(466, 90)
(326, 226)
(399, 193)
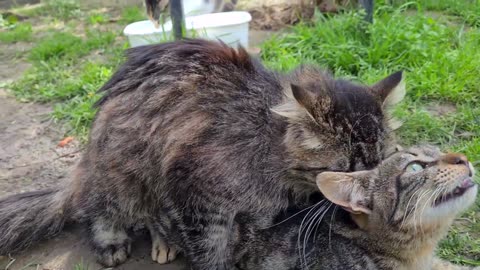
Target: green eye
(415, 167)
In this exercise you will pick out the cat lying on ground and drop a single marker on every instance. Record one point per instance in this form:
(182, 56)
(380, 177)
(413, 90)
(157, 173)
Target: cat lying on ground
(190, 134)
(391, 217)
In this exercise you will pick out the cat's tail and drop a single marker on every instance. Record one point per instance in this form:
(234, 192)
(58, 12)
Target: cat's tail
(30, 217)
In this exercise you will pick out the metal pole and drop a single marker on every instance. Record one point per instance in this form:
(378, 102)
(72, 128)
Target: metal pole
(368, 6)
(178, 21)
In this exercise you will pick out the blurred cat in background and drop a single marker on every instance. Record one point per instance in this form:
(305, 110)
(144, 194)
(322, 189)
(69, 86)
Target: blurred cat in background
(158, 10)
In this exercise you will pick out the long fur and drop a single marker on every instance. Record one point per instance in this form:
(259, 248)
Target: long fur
(28, 218)
(185, 139)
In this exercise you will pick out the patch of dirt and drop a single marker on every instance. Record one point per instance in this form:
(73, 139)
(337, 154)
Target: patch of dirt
(29, 156)
(441, 109)
(70, 249)
(277, 14)
(6, 4)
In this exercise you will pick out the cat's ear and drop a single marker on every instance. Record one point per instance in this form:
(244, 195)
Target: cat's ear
(345, 190)
(303, 102)
(304, 97)
(390, 90)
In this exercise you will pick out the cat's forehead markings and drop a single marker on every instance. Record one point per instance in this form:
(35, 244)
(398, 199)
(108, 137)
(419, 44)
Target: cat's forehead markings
(423, 155)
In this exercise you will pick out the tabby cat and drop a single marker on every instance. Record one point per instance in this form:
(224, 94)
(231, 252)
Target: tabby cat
(391, 217)
(188, 135)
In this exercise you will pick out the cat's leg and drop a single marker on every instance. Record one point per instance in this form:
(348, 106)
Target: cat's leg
(161, 252)
(111, 243)
(208, 239)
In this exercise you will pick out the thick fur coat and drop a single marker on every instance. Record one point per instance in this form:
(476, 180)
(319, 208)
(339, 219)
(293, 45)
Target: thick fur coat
(190, 134)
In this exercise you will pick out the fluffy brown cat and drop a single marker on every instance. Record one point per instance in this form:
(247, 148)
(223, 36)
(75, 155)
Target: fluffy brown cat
(191, 134)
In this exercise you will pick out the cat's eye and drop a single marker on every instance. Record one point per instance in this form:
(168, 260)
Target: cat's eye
(415, 167)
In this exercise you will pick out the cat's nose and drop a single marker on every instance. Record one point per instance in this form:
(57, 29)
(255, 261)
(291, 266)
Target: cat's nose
(454, 159)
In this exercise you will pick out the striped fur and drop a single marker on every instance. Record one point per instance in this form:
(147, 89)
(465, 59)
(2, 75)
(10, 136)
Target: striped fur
(189, 134)
(391, 217)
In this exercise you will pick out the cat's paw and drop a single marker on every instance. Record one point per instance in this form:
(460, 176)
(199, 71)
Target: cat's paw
(161, 252)
(113, 255)
(111, 245)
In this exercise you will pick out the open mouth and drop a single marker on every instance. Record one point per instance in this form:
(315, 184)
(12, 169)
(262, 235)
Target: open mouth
(457, 192)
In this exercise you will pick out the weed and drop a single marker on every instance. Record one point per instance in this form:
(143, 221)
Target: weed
(62, 45)
(81, 266)
(16, 32)
(132, 14)
(97, 19)
(56, 46)
(467, 10)
(77, 110)
(62, 9)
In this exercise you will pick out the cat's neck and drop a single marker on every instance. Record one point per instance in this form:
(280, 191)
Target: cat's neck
(412, 248)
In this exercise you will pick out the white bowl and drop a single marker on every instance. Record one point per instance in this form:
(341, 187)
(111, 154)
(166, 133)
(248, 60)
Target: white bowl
(197, 7)
(229, 27)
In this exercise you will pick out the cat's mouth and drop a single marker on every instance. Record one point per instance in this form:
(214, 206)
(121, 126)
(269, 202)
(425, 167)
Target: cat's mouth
(457, 192)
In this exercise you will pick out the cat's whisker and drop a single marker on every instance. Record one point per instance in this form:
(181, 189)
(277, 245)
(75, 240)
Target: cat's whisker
(332, 218)
(299, 212)
(301, 228)
(422, 210)
(413, 212)
(434, 193)
(314, 217)
(416, 208)
(408, 212)
(314, 222)
(319, 221)
(309, 224)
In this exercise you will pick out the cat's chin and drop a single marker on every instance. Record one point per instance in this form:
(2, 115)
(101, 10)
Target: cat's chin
(452, 204)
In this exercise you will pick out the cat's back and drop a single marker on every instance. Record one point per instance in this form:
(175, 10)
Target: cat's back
(184, 98)
(191, 67)
(190, 75)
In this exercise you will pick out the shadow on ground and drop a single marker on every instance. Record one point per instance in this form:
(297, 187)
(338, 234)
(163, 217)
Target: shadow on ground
(69, 251)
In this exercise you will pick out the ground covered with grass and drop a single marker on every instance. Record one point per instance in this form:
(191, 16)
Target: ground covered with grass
(74, 52)
(440, 54)
(436, 43)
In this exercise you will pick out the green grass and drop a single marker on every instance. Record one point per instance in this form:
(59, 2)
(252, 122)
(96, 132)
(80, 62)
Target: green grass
(81, 266)
(61, 73)
(68, 82)
(68, 46)
(467, 10)
(59, 9)
(16, 32)
(97, 18)
(132, 14)
(442, 65)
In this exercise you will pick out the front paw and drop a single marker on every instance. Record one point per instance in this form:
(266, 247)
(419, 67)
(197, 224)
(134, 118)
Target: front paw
(113, 255)
(161, 252)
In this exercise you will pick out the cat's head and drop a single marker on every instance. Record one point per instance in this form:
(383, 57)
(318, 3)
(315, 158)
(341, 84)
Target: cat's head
(416, 189)
(336, 125)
